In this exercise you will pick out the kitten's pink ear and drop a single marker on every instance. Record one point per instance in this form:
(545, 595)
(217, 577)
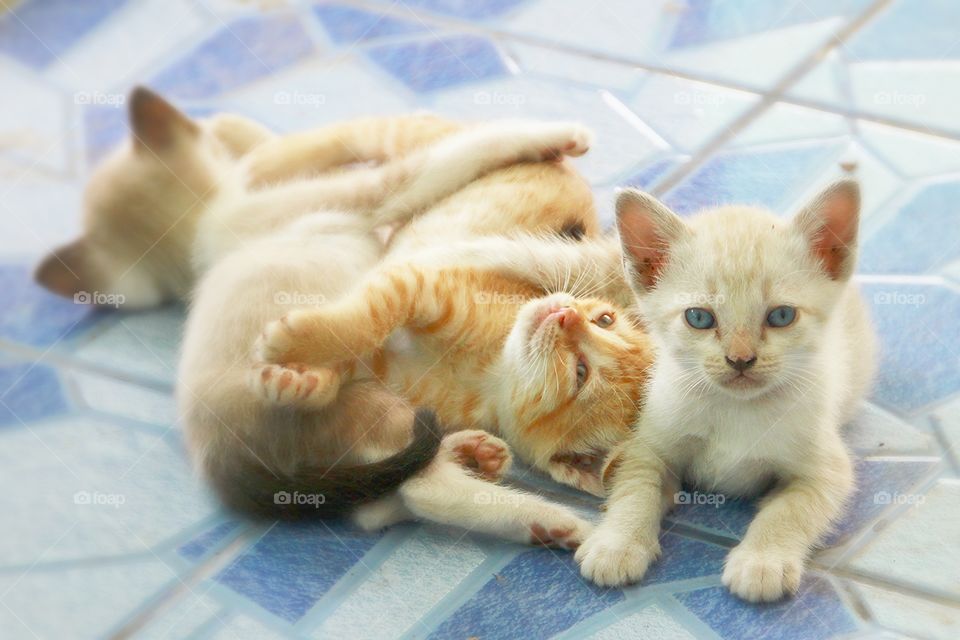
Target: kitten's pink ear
(156, 124)
(60, 271)
(647, 228)
(830, 223)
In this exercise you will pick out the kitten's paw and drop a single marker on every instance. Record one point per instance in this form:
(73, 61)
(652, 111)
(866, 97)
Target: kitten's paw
(478, 450)
(561, 530)
(296, 385)
(278, 340)
(760, 575)
(611, 559)
(564, 139)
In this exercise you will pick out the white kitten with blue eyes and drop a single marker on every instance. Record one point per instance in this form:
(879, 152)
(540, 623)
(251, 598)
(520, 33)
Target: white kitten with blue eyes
(764, 349)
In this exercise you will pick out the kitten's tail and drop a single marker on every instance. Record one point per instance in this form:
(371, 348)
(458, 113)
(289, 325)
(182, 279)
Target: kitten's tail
(320, 492)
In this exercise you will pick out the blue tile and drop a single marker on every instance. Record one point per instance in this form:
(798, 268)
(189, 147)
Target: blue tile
(291, 567)
(347, 25)
(682, 559)
(469, 9)
(878, 484)
(209, 539)
(917, 239)
(35, 317)
(704, 21)
(537, 595)
(27, 392)
(430, 65)
(766, 178)
(39, 31)
(243, 51)
(729, 519)
(925, 368)
(816, 612)
(649, 175)
(910, 30)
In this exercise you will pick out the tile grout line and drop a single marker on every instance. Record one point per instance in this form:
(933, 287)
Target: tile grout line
(768, 99)
(871, 580)
(169, 597)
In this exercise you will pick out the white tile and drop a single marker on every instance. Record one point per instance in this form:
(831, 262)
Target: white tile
(912, 616)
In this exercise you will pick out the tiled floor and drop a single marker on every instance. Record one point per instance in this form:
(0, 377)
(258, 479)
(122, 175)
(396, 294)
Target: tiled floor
(104, 528)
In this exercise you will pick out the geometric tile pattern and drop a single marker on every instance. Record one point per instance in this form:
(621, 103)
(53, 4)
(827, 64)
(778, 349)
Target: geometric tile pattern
(700, 102)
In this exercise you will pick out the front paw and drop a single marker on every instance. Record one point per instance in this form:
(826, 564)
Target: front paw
(762, 575)
(563, 139)
(612, 559)
(278, 340)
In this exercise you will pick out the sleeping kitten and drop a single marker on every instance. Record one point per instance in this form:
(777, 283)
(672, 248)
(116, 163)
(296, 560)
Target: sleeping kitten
(193, 200)
(764, 349)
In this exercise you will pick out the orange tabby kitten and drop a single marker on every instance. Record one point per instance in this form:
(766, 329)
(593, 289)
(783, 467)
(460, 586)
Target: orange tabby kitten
(559, 377)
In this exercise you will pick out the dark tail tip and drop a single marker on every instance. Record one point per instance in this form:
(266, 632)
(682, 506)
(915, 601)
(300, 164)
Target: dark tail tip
(314, 492)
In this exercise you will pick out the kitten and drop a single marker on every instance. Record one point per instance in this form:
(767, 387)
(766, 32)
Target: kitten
(188, 201)
(560, 377)
(764, 349)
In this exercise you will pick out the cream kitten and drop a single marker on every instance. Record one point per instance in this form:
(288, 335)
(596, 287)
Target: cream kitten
(210, 210)
(764, 349)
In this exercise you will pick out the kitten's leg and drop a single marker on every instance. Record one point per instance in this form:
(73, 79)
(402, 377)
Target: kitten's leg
(458, 160)
(627, 540)
(357, 324)
(580, 471)
(768, 563)
(400, 189)
(381, 513)
(447, 493)
(311, 152)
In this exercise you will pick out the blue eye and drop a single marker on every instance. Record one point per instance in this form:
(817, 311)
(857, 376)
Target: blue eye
(781, 316)
(699, 318)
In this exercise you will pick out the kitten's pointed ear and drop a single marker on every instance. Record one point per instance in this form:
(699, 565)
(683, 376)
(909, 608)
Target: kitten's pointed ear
(647, 228)
(156, 124)
(830, 224)
(60, 272)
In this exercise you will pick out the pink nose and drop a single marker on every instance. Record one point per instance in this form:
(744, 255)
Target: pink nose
(569, 318)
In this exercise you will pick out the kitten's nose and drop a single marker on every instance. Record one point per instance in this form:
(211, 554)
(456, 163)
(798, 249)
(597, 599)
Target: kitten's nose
(569, 318)
(742, 365)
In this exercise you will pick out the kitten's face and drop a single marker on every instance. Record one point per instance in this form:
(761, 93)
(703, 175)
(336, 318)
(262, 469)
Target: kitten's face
(574, 365)
(140, 206)
(737, 298)
(741, 305)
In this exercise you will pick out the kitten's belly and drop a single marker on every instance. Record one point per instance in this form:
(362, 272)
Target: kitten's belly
(728, 470)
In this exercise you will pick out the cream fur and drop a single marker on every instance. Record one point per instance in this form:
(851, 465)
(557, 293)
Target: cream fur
(736, 436)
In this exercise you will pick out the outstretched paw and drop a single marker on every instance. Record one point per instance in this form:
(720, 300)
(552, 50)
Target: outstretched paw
(296, 385)
(488, 455)
(564, 139)
(612, 559)
(561, 530)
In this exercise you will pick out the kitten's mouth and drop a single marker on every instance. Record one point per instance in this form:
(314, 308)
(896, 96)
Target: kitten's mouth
(741, 381)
